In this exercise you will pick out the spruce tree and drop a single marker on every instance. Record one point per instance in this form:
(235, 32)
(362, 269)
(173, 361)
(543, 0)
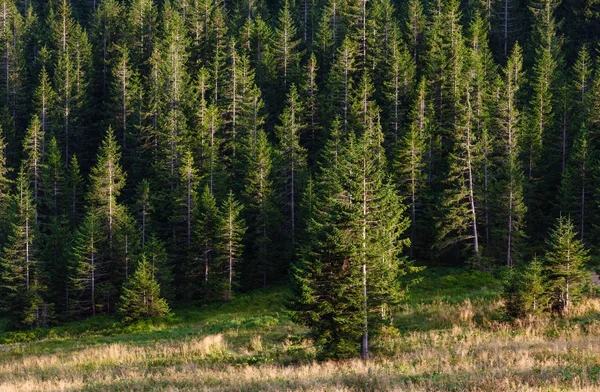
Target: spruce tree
(184, 219)
(203, 272)
(12, 79)
(141, 30)
(410, 164)
(581, 89)
(33, 147)
(45, 101)
(107, 180)
(415, 23)
(292, 157)
(347, 276)
(459, 223)
(577, 187)
(124, 88)
(397, 84)
(144, 209)
(141, 296)
(260, 211)
(162, 268)
(88, 266)
(5, 185)
(286, 51)
(512, 177)
(22, 282)
(230, 246)
(564, 266)
(340, 82)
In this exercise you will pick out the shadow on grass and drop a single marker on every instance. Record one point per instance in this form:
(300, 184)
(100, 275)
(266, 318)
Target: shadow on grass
(259, 310)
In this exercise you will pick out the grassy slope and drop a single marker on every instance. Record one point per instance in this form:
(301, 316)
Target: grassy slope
(450, 336)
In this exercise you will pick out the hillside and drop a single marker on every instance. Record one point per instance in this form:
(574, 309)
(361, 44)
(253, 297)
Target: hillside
(451, 336)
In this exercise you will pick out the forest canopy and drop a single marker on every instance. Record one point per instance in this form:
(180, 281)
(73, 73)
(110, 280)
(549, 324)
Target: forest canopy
(186, 150)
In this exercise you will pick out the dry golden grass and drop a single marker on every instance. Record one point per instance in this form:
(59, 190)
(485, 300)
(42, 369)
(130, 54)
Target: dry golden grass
(471, 352)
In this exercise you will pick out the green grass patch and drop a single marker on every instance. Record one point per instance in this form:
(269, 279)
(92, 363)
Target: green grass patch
(453, 285)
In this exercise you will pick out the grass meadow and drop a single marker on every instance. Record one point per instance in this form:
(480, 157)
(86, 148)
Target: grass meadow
(450, 336)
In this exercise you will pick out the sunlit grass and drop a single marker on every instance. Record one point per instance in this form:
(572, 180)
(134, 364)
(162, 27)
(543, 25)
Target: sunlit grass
(449, 336)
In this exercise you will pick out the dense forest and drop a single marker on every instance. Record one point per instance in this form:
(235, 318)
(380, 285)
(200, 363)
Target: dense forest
(186, 150)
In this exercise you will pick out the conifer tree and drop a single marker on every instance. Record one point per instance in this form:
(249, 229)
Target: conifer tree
(72, 53)
(331, 31)
(577, 188)
(22, 283)
(292, 157)
(445, 59)
(310, 92)
(524, 291)
(204, 273)
(214, 167)
(12, 61)
(286, 51)
(54, 225)
(397, 84)
(340, 82)
(106, 33)
(460, 203)
(230, 248)
(141, 296)
(217, 50)
(144, 209)
(174, 81)
(259, 209)
(53, 185)
(44, 101)
(141, 30)
(544, 85)
(5, 185)
(124, 89)
(33, 147)
(410, 162)
(415, 23)
(506, 23)
(581, 89)
(107, 180)
(76, 192)
(347, 275)
(156, 254)
(564, 266)
(185, 217)
(509, 123)
(88, 268)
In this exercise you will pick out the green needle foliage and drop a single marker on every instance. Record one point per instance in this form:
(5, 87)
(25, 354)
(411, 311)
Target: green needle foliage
(141, 295)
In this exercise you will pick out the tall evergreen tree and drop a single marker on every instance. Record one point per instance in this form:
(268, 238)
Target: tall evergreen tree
(347, 275)
(460, 203)
(564, 266)
(230, 248)
(88, 267)
(410, 163)
(33, 147)
(125, 93)
(22, 283)
(509, 122)
(577, 188)
(203, 273)
(292, 159)
(260, 211)
(107, 180)
(286, 51)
